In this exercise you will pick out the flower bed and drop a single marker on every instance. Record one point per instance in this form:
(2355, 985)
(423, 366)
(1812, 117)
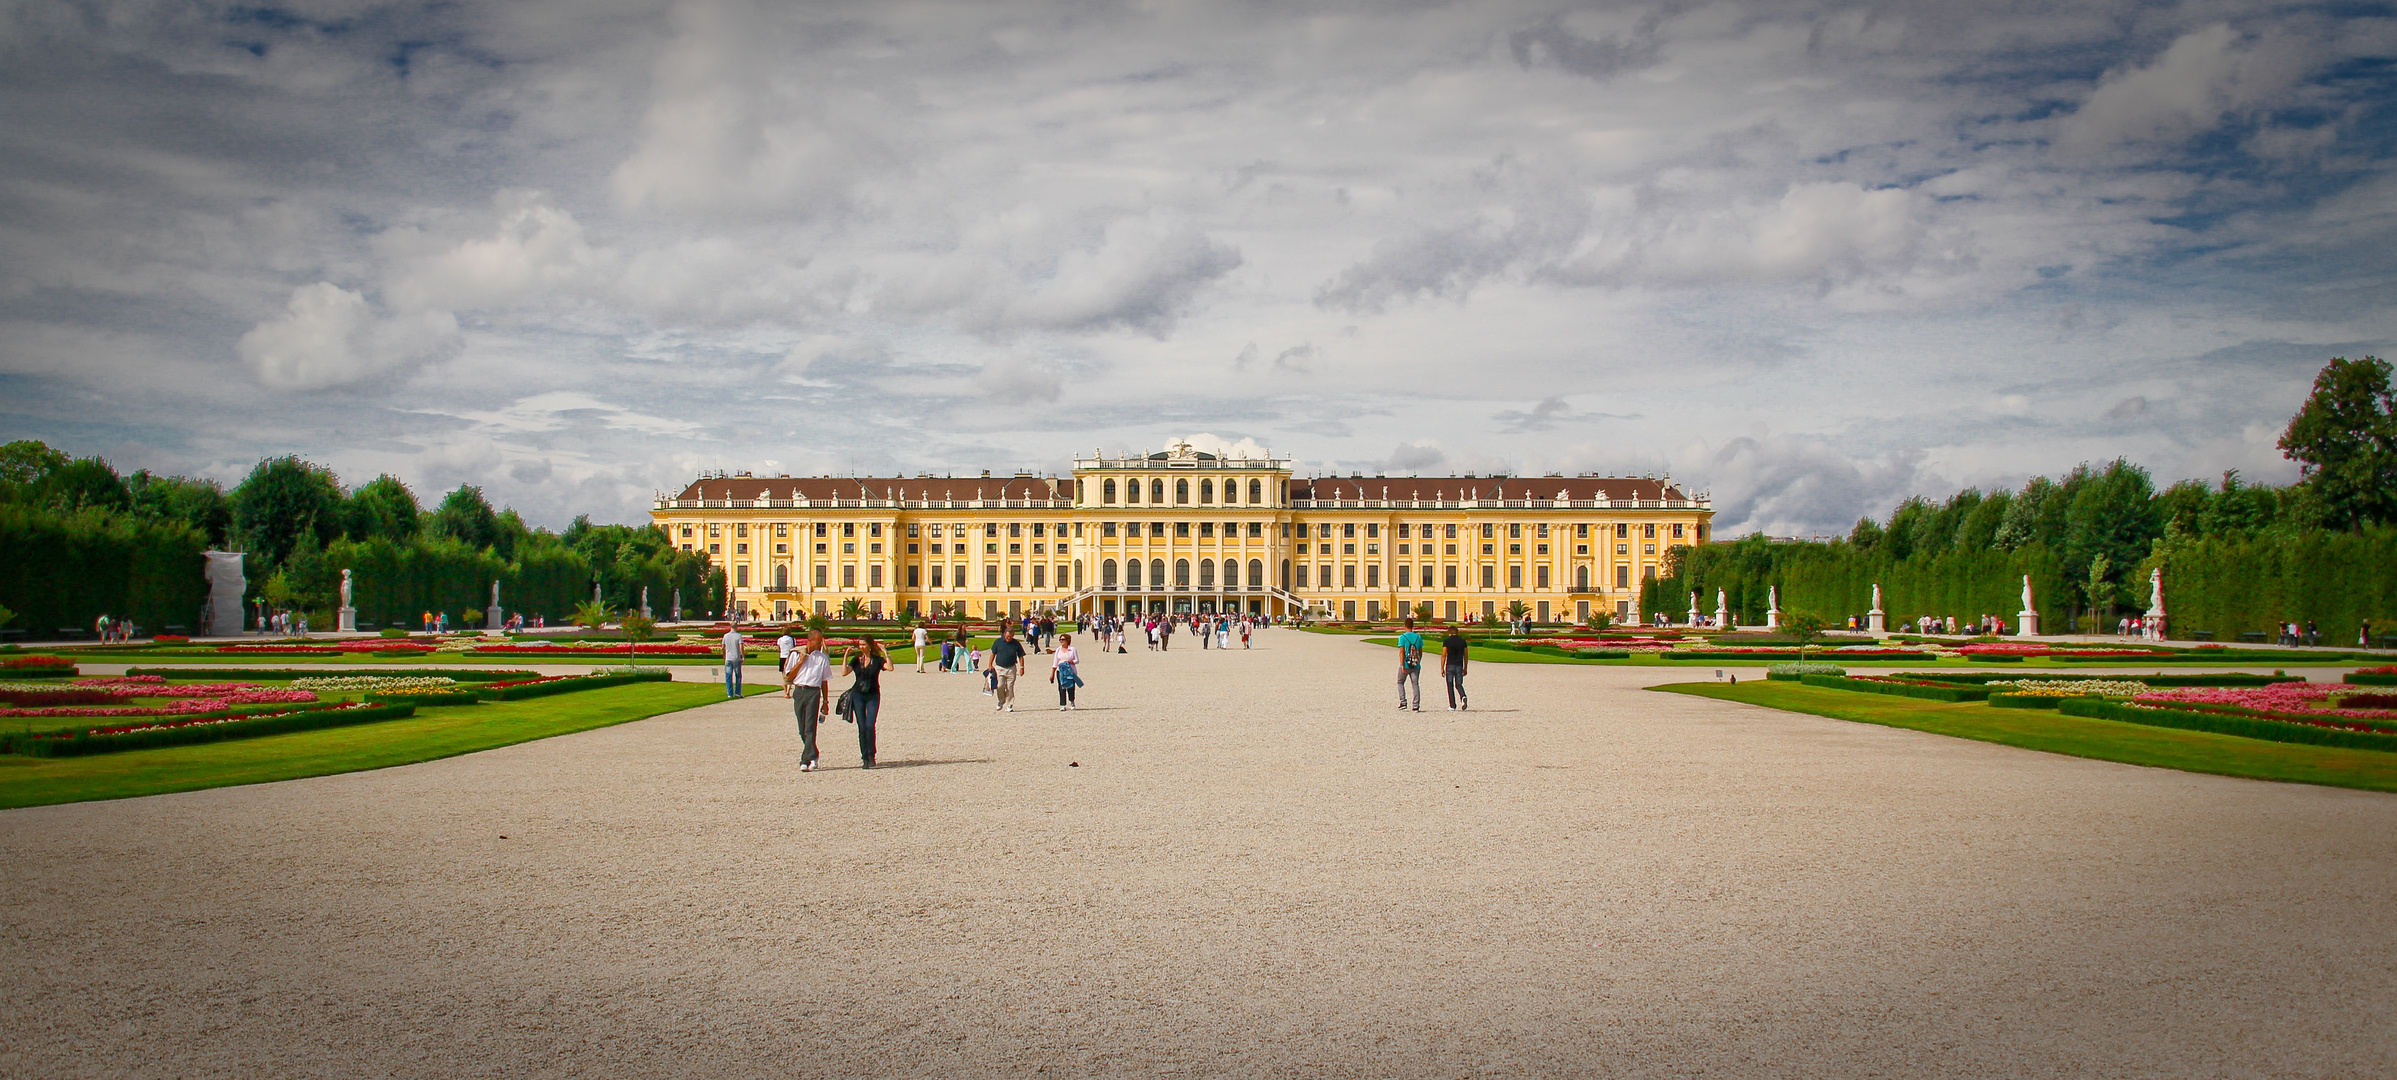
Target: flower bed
(2379, 676)
(590, 649)
(2299, 701)
(1792, 672)
(295, 674)
(2349, 734)
(1900, 687)
(429, 695)
(348, 684)
(36, 666)
(195, 729)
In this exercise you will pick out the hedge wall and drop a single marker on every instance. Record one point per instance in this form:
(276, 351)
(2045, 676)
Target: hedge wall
(2252, 583)
(66, 570)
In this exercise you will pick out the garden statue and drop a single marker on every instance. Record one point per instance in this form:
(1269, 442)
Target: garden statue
(1772, 608)
(1722, 612)
(1876, 621)
(493, 616)
(676, 610)
(2027, 620)
(645, 601)
(2154, 623)
(346, 619)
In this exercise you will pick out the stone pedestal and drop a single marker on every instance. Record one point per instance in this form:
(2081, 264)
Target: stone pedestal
(1772, 619)
(1723, 620)
(1876, 623)
(492, 617)
(346, 620)
(2026, 624)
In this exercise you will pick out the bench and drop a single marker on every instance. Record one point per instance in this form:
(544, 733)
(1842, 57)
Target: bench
(2252, 637)
(2201, 635)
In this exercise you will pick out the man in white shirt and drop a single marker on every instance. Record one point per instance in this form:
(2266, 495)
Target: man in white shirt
(811, 702)
(732, 662)
(782, 658)
(919, 637)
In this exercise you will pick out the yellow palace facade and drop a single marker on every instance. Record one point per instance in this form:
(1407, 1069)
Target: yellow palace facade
(1185, 531)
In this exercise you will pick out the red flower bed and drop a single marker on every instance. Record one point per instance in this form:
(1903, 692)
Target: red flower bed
(171, 639)
(2376, 671)
(34, 660)
(663, 649)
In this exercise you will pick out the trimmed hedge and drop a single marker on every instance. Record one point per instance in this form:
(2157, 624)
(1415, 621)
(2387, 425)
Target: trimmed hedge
(1869, 686)
(2222, 724)
(429, 696)
(2358, 678)
(307, 718)
(1601, 654)
(288, 674)
(2228, 678)
(570, 684)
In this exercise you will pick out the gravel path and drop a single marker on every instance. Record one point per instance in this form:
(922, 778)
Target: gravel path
(1255, 868)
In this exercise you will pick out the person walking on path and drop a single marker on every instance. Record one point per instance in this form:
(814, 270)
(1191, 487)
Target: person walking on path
(1065, 669)
(919, 638)
(1452, 667)
(732, 663)
(809, 702)
(1410, 667)
(867, 662)
(1006, 662)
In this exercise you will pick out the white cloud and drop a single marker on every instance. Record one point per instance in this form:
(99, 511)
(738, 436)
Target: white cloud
(328, 336)
(537, 249)
(2201, 78)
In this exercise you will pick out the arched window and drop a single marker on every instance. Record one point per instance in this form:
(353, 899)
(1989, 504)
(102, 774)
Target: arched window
(1132, 492)
(1206, 573)
(1107, 574)
(1231, 573)
(1181, 491)
(1156, 491)
(1157, 572)
(1256, 491)
(1206, 491)
(1285, 574)
(1108, 492)
(1256, 573)
(1077, 574)
(1132, 573)
(1181, 571)
(782, 578)
(1581, 579)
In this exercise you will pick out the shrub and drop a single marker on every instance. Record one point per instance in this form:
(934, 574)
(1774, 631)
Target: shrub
(429, 696)
(1792, 672)
(393, 631)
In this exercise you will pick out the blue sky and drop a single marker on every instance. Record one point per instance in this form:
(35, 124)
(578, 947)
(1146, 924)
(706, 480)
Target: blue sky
(1810, 258)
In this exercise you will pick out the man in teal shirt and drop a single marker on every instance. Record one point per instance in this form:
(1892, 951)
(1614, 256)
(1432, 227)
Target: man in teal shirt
(1410, 667)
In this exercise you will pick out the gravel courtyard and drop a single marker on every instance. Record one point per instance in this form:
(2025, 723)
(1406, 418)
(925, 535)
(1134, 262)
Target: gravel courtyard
(1227, 863)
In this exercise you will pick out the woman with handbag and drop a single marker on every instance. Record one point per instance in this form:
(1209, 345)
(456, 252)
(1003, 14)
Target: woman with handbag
(866, 664)
(1065, 670)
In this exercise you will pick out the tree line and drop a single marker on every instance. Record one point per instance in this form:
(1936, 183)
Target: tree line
(2237, 557)
(78, 539)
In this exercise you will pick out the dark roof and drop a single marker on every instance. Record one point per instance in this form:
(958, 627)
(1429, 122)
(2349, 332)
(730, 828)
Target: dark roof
(815, 488)
(1429, 488)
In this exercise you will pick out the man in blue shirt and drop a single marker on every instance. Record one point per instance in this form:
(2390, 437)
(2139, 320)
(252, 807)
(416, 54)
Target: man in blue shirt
(732, 662)
(1410, 667)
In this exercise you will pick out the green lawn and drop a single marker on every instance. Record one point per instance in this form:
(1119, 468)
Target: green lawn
(2054, 732)
(2038, 666)
(431, 733)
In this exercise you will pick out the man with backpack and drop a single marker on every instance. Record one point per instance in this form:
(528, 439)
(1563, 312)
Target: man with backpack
(1410, 667)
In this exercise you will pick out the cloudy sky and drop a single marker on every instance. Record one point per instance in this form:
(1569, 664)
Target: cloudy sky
(1810, 257)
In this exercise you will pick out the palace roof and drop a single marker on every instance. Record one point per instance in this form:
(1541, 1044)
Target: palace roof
(830, 490)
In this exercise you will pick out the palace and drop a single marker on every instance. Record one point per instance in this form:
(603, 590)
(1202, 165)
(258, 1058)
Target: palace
(1185, 531)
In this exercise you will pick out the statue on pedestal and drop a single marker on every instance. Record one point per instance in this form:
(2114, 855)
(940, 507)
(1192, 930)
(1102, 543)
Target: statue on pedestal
(1876, 621)
(346, 619)
(1722, 610)
(492, 615)
(2027, 620)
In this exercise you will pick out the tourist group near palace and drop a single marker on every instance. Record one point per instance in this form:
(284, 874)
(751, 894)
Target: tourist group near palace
(1185, 531)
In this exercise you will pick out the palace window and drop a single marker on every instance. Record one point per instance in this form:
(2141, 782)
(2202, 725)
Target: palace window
(1648, 530)
(1514, 530)
(1373, 575)
(1256, 529)
(820, 571)
(1181, 491)
(1106, 528)
(1450, 573)
(1256, 573)
(990, 577)
(914, 576)
(1543, 532)
(740, 549)
(1302, 575)
(1107, 492)
(1037, 575)
(1622, 577)
(1581, 579)
(874, 529)
(1015, 528)
(1107, 573)
(1406, 576)
(936, 575)
(1677, 532)
(1156, 491)
(1582, 530)
(1206, 528)
(1622, 529)
(1452, 532)
(1157, 572)
(1488, 530)
(1206, 570)
(848, 528)
(714, 530)
(740, 576)
(1181, 528)
(1182, 570)
(1542, 549)
(782, 577)
(1427, 576)
(1131, 491)
(1256, 491)
(849, 575)
(1348, 576)
(1285, 573)
(1131, 573)
(914, 531)
(741, 529)
(1040, 528)
(874, 576)
(1206, 492)
(686, 531)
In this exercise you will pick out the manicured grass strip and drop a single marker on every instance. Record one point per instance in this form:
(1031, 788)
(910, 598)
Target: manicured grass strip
(430, 734)
(2055, 733)
(2251, 727)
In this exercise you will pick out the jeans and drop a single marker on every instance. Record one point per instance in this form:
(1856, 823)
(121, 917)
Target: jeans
(1455, 678)
(732, 680)
(1065, 694)
(806, 701)
(869, 709)
(1407, 677)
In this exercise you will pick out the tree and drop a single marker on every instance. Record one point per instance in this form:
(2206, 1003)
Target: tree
(382, 508)
(853, 609)
(81, 484)
(2345, 438)
(1423, 611)
(1517, 609)
(1805, 628)
(467, 516)
(25, 460)
(637, 629)
(282, 498)
(201, 504)
(2113, 514)
(592, 615)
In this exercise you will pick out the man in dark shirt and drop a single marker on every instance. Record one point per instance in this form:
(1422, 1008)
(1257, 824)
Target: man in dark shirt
(1452, 667)
(1007, 661)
